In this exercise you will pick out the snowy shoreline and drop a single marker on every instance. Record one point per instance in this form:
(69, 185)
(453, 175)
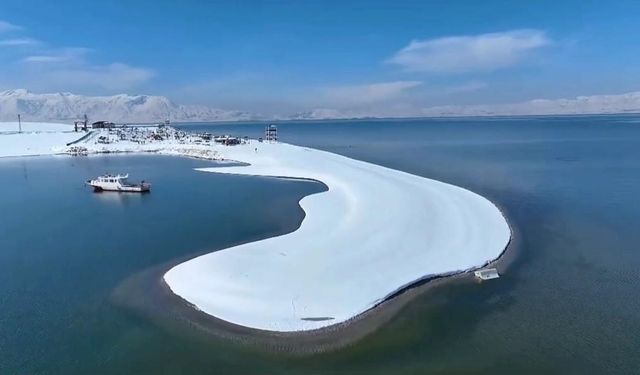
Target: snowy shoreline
(375, 232)
(36, 138)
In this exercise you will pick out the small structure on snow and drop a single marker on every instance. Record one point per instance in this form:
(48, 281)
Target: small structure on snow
(82, 123)
(271, 133)
(227, 140)
(486, 274)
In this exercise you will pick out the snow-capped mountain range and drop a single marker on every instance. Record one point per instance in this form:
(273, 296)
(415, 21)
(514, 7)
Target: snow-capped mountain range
(67, 107)
(117, 108)
(581, 105)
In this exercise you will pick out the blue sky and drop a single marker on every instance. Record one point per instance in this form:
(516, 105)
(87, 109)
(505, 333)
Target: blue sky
(281, 57)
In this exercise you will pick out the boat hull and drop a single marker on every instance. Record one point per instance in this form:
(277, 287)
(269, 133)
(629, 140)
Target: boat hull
(122, 189)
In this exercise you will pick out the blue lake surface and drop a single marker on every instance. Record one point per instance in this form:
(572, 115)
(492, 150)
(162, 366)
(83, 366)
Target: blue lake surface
(569, 302)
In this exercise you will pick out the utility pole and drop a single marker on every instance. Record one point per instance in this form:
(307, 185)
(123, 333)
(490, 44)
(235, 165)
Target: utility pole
(19, 124)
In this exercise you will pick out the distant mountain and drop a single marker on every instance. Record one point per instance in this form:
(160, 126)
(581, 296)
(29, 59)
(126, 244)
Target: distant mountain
(117, 108)
(581, 105)
(326, 114)
(595, 104)
(124, 108)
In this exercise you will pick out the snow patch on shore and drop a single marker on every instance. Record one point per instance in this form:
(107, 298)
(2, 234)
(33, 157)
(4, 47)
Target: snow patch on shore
(164, 148)
(34, 127)
(36, 138)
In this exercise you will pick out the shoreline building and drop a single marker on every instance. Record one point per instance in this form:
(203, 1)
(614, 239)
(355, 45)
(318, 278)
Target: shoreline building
(103, 125)
(271, 133)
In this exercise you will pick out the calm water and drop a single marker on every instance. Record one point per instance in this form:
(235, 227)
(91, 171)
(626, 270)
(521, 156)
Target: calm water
(568, 304)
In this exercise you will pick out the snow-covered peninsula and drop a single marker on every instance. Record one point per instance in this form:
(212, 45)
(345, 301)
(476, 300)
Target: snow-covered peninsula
(374, 231)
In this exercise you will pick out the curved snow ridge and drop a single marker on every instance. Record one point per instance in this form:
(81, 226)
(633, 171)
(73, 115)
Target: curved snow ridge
(375, 231)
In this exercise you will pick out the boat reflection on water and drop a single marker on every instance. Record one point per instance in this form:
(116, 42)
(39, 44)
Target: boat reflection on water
(122, 198)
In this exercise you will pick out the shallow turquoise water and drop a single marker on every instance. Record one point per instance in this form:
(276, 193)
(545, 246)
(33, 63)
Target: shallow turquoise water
(568, 304)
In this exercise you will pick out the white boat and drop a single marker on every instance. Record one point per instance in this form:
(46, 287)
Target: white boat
(118, 182)
(487, 274)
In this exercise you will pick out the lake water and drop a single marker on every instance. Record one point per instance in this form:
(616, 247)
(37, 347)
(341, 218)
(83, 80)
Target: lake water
(569, 302)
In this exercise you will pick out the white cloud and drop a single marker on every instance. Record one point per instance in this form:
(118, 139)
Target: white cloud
(70, 68)
(368, 94)
(466, 87)
(60, 55)
(18, 42)
(45, 58)
(460, 54)
(48, 67)
(7, 26)
(115, 76)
